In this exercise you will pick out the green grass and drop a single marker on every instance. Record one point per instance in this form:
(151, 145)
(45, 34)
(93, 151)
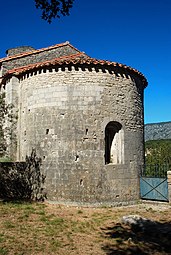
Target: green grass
(3, 251)
(8, 224)
(5, 159)
(40, 229)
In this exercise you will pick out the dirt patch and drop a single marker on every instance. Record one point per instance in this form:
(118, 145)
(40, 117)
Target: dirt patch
(55, 229)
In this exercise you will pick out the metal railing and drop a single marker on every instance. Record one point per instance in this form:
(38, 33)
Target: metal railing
(155, 170)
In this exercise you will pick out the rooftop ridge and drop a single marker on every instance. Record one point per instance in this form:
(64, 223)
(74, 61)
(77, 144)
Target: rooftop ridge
(77, 58)
(53, 61)
(37, 51)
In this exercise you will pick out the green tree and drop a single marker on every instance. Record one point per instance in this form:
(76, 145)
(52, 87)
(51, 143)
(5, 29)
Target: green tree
(3, 113)
(22, 180)
(158, 157)
(8, 121)
(54, 8)
(158, 152)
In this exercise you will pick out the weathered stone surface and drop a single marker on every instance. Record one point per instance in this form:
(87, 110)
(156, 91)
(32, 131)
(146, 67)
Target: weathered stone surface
(34, 58)
(63, 113)
(138, 221)
(169, 185)
(18, 50)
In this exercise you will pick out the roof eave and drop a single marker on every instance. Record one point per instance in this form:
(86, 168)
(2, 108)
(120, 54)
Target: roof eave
(75, 59)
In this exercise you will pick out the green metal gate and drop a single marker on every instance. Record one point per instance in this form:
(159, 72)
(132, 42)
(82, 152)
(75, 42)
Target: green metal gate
(153, 183)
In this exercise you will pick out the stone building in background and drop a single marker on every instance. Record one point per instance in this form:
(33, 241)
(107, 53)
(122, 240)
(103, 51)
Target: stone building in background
(84, 117)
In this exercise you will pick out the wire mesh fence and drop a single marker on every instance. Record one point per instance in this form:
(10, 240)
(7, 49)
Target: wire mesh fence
(155, 170)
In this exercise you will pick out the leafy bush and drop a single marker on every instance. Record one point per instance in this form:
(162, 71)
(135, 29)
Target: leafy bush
(158, 152)
(22, 180)
(157, 157)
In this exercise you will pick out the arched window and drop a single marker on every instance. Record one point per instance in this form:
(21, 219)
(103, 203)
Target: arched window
(114, 143)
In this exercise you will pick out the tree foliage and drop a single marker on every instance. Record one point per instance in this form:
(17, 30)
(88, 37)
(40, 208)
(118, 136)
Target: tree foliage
(6, 115)
(54, 8)
(8, 121)
(157, 158)
(158, 152)
(3, 112)
(22, 180)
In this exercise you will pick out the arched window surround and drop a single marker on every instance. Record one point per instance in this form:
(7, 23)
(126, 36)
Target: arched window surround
(114, 143)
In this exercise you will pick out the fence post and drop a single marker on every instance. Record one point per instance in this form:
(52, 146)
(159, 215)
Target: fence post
(169, 185)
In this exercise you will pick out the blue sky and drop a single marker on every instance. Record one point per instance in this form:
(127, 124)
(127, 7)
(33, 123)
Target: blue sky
(133, 32)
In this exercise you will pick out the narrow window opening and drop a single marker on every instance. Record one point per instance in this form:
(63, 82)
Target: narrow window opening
(47, 131)
(86, 131)
(81, 182)
(114, 143)
(76, 158)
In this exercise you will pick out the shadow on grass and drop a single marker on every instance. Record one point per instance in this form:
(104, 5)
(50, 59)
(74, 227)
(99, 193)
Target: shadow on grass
(152, 238)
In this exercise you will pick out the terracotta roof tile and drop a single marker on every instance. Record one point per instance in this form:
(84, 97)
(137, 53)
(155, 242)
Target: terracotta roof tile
(74, 59)
(60, 60)
(24, 54)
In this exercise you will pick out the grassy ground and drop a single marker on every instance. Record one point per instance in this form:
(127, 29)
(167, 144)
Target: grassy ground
(45, 229)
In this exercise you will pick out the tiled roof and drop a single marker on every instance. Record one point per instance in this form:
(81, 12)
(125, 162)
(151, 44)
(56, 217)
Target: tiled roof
(74, 59)
(24, 54)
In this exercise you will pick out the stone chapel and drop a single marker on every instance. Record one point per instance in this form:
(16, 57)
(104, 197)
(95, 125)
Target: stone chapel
(84, 117)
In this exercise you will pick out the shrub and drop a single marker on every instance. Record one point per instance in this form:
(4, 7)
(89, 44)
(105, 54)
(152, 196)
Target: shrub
(22, 180)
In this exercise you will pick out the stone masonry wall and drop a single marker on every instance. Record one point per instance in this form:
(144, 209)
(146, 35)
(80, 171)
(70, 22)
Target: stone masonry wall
(18, 50)
(37, 57)
(63, 114)
(169, 185)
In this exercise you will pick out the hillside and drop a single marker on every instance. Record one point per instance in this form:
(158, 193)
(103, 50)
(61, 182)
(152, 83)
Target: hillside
(156, 131)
